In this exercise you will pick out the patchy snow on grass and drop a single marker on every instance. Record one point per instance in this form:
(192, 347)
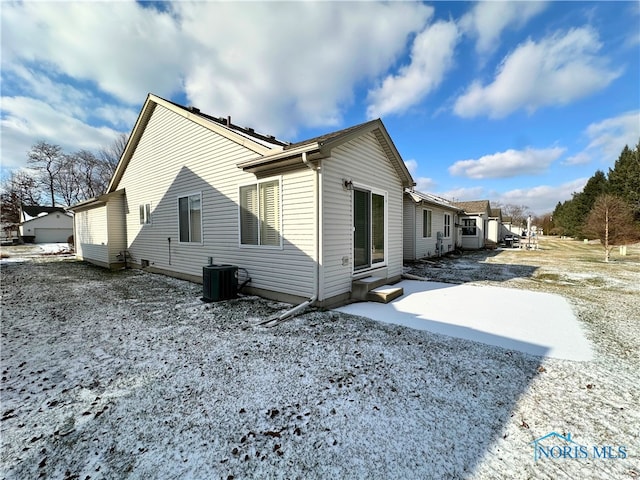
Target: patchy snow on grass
(128, 375)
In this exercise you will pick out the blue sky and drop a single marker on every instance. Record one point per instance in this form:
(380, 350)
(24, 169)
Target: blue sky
(515, 102)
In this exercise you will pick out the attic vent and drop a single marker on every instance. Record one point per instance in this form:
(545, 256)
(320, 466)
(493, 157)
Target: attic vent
(194, 109)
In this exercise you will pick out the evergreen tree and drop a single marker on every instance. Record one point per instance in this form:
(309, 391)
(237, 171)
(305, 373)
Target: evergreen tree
(569, 217)
(624, 178)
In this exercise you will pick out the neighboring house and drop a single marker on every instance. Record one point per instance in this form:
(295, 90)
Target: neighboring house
(494, 226)
(474, 223)
(45, 224)
(429, 225)
(506, 226)
(305, 220)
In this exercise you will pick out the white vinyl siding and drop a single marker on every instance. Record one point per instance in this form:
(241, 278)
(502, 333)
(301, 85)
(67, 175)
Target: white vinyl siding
(185, 158)
(90, 235)
(473, 235)
(416, 244)
(116, 227)
(363, 161)
(409, 226)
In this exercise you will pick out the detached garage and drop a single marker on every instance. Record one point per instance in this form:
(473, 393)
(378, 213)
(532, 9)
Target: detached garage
(46, 225)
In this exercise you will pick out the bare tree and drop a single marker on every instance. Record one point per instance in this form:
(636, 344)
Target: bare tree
(82, 176)
(112, 153)
(20, 188)
(611, 221)
(518, 213)
(48, 160)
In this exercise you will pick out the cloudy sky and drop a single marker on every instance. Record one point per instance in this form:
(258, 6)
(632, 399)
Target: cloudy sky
(510, 101)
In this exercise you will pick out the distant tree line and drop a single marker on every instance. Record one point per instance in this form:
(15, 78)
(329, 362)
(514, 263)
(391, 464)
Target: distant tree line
(608, 208)
(56, 178)
(622, 181)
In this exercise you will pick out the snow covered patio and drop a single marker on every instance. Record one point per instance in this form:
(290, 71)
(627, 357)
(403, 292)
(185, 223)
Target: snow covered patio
(531, 322)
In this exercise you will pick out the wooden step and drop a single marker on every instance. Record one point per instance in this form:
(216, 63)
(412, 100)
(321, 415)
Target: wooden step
(384, 294)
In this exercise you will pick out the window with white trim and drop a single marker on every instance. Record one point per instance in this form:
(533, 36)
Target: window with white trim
(469, 227)
(426, 223)
(190, 218)
(260, 214)
(447, 225)
(145, 214)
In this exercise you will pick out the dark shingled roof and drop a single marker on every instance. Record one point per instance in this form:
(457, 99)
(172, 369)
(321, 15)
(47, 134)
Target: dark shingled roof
(329, 136)
(475, 206)
(35, 210)
(227, 123)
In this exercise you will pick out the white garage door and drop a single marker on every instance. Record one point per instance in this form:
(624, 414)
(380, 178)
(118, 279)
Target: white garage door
(52, 235)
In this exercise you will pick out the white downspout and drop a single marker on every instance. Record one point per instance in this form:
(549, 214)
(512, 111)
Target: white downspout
(317, 242)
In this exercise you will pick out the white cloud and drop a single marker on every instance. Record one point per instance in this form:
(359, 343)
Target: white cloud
(276, 66)
(487, 20)
(425, 184)
(463, 194)
(124, 48)
(26, 120)
(581, 158)
(609, 136)
(542, 198)
(555, 71)
(431, 57)
(412, 166)
(509, 163)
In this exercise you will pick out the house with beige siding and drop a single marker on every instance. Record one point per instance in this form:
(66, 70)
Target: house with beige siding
(308, 221)
(430, 225)
(474, 224)
(495, 233)
(40, 224)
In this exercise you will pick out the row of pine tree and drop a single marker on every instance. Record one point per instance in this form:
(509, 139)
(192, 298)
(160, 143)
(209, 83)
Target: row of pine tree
(622, 181)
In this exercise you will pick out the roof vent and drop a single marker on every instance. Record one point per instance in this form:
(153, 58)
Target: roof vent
(193, 109)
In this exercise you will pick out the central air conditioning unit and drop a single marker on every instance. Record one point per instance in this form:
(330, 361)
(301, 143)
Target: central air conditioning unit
(219, 282)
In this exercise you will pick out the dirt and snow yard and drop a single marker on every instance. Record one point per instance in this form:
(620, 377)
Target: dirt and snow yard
(129, 375)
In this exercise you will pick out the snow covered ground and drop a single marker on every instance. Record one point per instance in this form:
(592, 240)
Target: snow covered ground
(129, 375)
(531, 322)
(21, 253)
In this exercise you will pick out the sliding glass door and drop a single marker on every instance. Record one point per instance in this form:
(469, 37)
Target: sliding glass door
(369, 228)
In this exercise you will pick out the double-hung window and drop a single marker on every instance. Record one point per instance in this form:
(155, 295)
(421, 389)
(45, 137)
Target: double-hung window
(145, 214)
(469, 226)
(447, 225)
(426, 223)
(260, 218)
(190, 218)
